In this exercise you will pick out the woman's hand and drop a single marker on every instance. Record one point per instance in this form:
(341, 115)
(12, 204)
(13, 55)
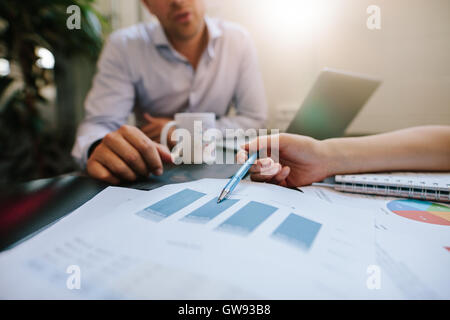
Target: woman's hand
(302, 160)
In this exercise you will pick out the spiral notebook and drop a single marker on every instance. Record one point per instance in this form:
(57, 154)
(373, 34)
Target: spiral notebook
(424, 186)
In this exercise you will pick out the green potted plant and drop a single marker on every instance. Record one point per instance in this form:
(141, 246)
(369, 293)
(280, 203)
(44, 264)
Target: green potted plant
(30, 148)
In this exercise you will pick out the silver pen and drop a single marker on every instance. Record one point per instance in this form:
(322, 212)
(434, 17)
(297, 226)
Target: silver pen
(234, 181)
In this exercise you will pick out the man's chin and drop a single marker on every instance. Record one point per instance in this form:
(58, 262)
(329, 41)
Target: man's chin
(186, 31)
(184, 35)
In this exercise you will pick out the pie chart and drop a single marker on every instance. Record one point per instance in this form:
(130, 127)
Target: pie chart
(422, 211)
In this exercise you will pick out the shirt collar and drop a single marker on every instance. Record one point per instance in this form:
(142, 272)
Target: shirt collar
(159, 36)
(214, 32)
(160, 39)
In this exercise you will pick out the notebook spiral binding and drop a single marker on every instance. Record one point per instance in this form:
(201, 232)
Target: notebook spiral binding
(397, 191)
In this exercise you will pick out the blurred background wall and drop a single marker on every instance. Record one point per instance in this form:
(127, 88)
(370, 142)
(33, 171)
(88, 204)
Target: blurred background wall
(297, 38)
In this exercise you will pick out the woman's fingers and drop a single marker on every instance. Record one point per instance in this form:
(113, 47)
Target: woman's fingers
(261, 144)
(241, 157)
(275, 175)
(262, 165)
(267, 174)
(281, 176)
(265, 170)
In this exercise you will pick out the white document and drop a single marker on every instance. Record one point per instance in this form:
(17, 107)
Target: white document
(15, 264)
(412, 240)
(265, 242)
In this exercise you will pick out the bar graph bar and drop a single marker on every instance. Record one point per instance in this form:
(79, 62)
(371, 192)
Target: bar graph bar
(248, 218)
(209, 211)
(168, 206)
(298, 231)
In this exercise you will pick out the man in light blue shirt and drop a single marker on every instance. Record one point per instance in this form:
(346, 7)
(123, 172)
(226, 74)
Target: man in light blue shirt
(186, 62)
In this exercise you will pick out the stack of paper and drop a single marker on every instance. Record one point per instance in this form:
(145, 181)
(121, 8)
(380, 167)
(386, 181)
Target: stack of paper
(264, 242)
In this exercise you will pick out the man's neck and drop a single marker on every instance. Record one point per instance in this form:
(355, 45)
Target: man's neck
(192, 48)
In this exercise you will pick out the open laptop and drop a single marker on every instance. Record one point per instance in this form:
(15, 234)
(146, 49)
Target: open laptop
(332, 103)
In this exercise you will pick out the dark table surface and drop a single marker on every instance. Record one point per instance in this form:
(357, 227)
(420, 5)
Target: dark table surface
(29, 208)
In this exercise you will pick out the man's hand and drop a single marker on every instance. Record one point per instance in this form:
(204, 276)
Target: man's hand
(303, 160)
(154, 127)
(126, 154)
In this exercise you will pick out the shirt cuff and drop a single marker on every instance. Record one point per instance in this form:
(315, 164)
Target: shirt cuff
(82, 146)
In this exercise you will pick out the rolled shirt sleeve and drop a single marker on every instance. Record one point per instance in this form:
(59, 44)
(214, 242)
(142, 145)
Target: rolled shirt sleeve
(109, 102)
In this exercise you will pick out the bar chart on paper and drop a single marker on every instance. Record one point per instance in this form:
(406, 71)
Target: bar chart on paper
(209, 211)
(168, 206)
(248, 218)
(177, 242)
(298, 231)
(294, 230)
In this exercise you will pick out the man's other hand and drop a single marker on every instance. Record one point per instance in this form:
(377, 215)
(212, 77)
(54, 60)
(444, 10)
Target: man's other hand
(126, 154)
(154, 127)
